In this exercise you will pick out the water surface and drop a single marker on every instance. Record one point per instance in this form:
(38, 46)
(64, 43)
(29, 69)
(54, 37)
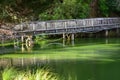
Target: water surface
(84, 59)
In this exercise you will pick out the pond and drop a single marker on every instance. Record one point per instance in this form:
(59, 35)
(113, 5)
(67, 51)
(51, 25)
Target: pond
(82, 59)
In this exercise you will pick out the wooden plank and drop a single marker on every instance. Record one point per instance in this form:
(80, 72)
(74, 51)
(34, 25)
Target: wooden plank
(59, 26)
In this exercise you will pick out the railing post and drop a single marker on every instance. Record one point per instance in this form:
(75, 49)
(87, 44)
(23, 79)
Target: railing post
(33, 26)
(84, 24)
(92, 22)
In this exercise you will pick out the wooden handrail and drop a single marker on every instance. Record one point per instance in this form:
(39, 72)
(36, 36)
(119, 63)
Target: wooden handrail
(66, 24)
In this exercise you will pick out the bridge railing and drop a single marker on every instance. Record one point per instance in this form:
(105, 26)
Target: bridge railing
(65, 24)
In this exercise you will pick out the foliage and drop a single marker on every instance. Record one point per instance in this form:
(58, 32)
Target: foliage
(40, 40)
(104, 9)
(39, 74)
(8, 74)
(68, 9)
(17, 11)
(21, 10)
(114, 4)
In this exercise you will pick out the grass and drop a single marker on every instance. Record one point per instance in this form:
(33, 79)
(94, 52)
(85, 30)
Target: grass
(7, 44)
(39, 74)
(88, 52)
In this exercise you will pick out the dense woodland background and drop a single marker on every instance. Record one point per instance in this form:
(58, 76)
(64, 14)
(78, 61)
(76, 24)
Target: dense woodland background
(16, 11)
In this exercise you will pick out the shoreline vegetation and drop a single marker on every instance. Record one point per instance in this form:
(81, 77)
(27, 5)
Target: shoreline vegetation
(44, 73)
(14, 51)
(45, 38)
(39, 73)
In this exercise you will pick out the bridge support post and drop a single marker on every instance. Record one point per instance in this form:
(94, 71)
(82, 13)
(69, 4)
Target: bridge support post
(68, 37)
(22, 47)
(29, 41)
(72, 36)
(63, 42)
(64, 39)
(106, 33)
(73, 42)
(16, 43)
(63, 36)
(22, 39)
(26, 40)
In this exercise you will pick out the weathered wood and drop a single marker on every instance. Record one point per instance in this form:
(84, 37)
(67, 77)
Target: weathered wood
(72, 36)
(69, 26)
(22, 39)
(106, 33)
(63, 36)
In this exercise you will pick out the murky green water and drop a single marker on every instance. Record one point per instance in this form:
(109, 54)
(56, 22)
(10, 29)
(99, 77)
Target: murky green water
(84, 59)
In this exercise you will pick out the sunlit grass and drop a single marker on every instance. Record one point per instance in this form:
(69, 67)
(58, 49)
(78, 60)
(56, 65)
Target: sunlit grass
(8, 74)
(87, 52)
(7, 44)
(39, 74)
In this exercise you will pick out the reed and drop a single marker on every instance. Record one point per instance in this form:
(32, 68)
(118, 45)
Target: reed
(39, 74)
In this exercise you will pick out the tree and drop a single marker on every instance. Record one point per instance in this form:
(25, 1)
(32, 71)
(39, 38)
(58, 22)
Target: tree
(103, 8)
(67, 9)
(114, 4)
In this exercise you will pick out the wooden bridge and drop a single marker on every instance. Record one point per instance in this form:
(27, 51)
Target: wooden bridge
(65, 27)
(68, 26)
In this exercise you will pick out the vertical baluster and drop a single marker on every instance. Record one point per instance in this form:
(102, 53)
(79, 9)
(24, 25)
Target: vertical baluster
(108, 21)
(33, 27)
(84, 23)
(91, 22)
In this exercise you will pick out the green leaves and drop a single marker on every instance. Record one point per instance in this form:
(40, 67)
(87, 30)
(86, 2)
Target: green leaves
(114, 5)
(104, 9)
(68, 9)
(17, 10)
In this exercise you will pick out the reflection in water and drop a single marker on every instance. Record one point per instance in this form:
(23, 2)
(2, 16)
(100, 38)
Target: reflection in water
(106, 41)
(63, 42)
(70, 69)
(68, 42)
(88, 59)
(26, 48)
(8, 62)
(22, 48)
(49, 45)
(16, 43)
(73, 43)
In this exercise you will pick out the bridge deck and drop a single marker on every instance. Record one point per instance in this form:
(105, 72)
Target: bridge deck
(68, 26)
